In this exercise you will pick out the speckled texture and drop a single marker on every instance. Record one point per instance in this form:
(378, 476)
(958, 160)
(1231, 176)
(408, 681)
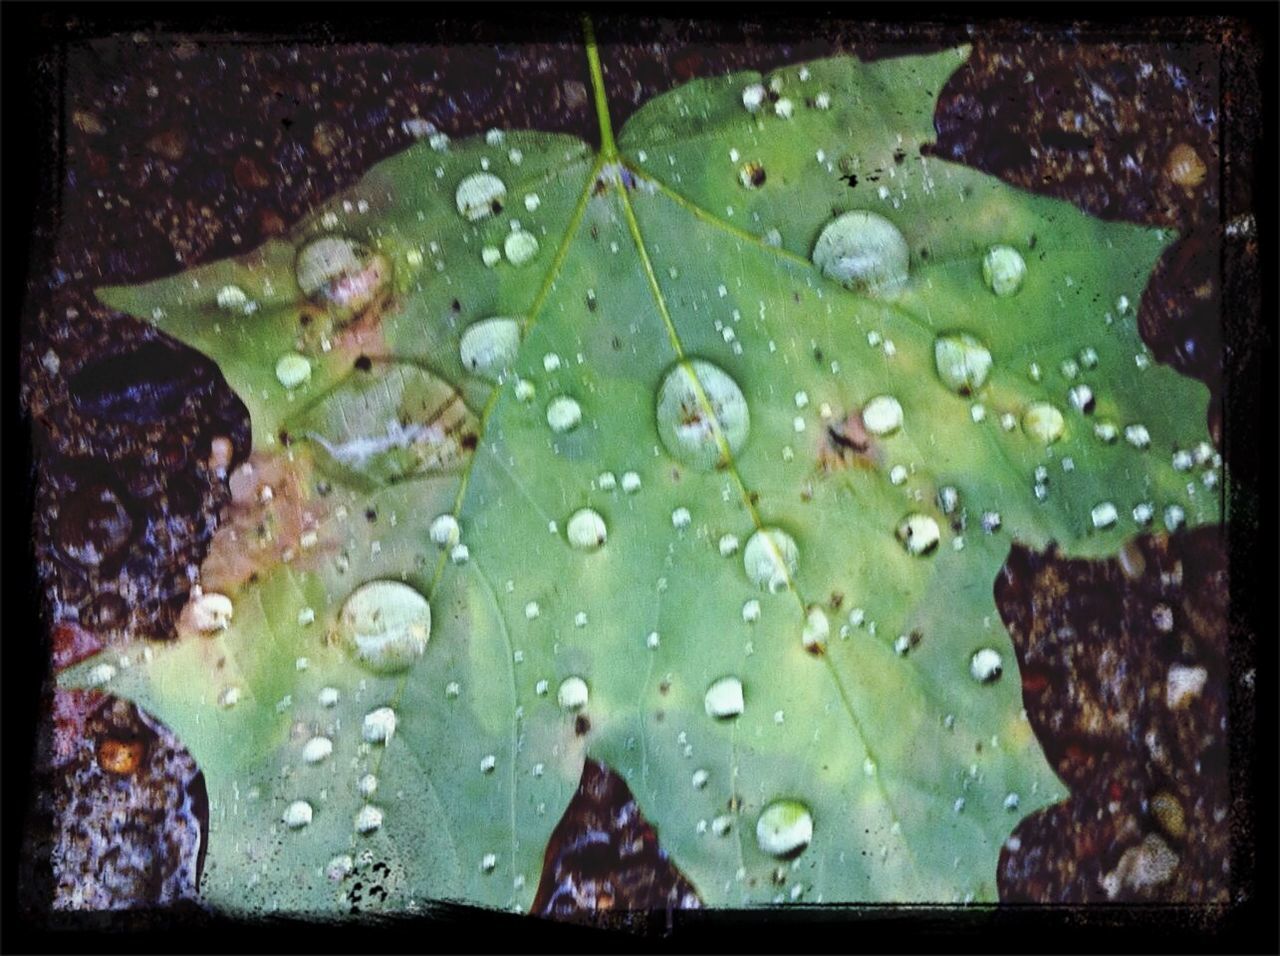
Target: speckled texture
(182, 150)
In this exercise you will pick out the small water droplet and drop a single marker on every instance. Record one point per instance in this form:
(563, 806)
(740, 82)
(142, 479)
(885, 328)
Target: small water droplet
(489, 347)
(297, 815)
(1103, 515)
(771, 559)
(700, 778)
(293, 370)
(753, 97)
(586, 530)
(680, 518)
(986, 666)
(341, 272)
(817, 628)
(379, 725)
(329, 696)
(785, 828)
(723, 698)
(882, 415)
(630, 482)
(573, 693)
(963, 362)
(368, 820)
(317, 749)
(728, 545)
(520, 247)
(1003, 270)
(564, 414)
(751, 611)
(480, 195)
(1043, 422)
(919, 534)
(367, 785)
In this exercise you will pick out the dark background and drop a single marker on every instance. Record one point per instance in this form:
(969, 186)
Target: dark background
(210, 168)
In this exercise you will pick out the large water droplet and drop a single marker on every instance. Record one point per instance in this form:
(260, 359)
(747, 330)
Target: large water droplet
(864, 252)
(1003, 270)
(963, 362)
(723, 698)
(489, 347)
(771, 559)
(785, 828)
(480, 195)
(688, 428)
(385, 625)
(341, 272)
(586, 530)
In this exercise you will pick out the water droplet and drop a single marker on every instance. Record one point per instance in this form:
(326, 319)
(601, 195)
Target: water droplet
(864, 252)
(882, 415)
(986, 666)
(898, 475)
(587, 530)
(751, 611)
(1043, 422)
(460, 554)
(822, 101)
(919, 534)
(328, 697)
(948, 499)
(379, 725)
(680, 518)
(1003, 270)
(728, 545)
(630, 482)
(699, 780)
(367, 785)
(490, 256)
(229, 697)
(817, 628)
(1103, 515)
(753, 97)
(520, 247)
(339, 868)
(317, 749)
(962, 361)
(652, 641)
(606, 481)
(232, 298)
(771, 559)
(385, 625)
(751, 175)
(480, 195)
(334, 270)
(723, 698)
(869, 767)
(784, 108)
(293, 370)
(1174, 517)
(785, 828)
(368, 819)
(211, 612)
(444, 531)
(489, 347)
(532, 611)
(687, 428)
(564, 414)
(297, 815)
(1081, 398)
(488, 763)
(573, 693)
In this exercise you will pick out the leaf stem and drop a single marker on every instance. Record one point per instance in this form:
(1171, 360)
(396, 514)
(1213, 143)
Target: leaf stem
(608, 148)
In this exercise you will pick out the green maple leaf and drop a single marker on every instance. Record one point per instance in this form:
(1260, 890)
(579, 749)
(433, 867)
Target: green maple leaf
(610, 569)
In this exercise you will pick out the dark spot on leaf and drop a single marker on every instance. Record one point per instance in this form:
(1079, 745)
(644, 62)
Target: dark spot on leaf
(370, 515)
(581, 725)
(364, 363)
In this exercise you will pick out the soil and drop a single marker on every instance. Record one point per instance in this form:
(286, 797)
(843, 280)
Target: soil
(180, 149)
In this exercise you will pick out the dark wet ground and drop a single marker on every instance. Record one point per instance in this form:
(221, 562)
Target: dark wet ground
(181, 150)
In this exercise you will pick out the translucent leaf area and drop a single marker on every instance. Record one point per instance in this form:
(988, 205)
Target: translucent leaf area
(718, 502)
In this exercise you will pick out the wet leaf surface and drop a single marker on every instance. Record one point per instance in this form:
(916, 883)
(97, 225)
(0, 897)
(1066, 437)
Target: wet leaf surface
(661, 66)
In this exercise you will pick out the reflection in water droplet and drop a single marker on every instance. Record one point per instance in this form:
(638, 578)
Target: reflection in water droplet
(480, 195)
(771, 559)
(723, 698)
(686, 426)
(785, 828)
(489, 347)
(586, 530)
(573, 693)
(962, 361)
(986, 666)
(1003, 270)
(1044, 422)
(864, 252)
(564, 414)
(385, 625)
(341, 272)
(919, 534)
